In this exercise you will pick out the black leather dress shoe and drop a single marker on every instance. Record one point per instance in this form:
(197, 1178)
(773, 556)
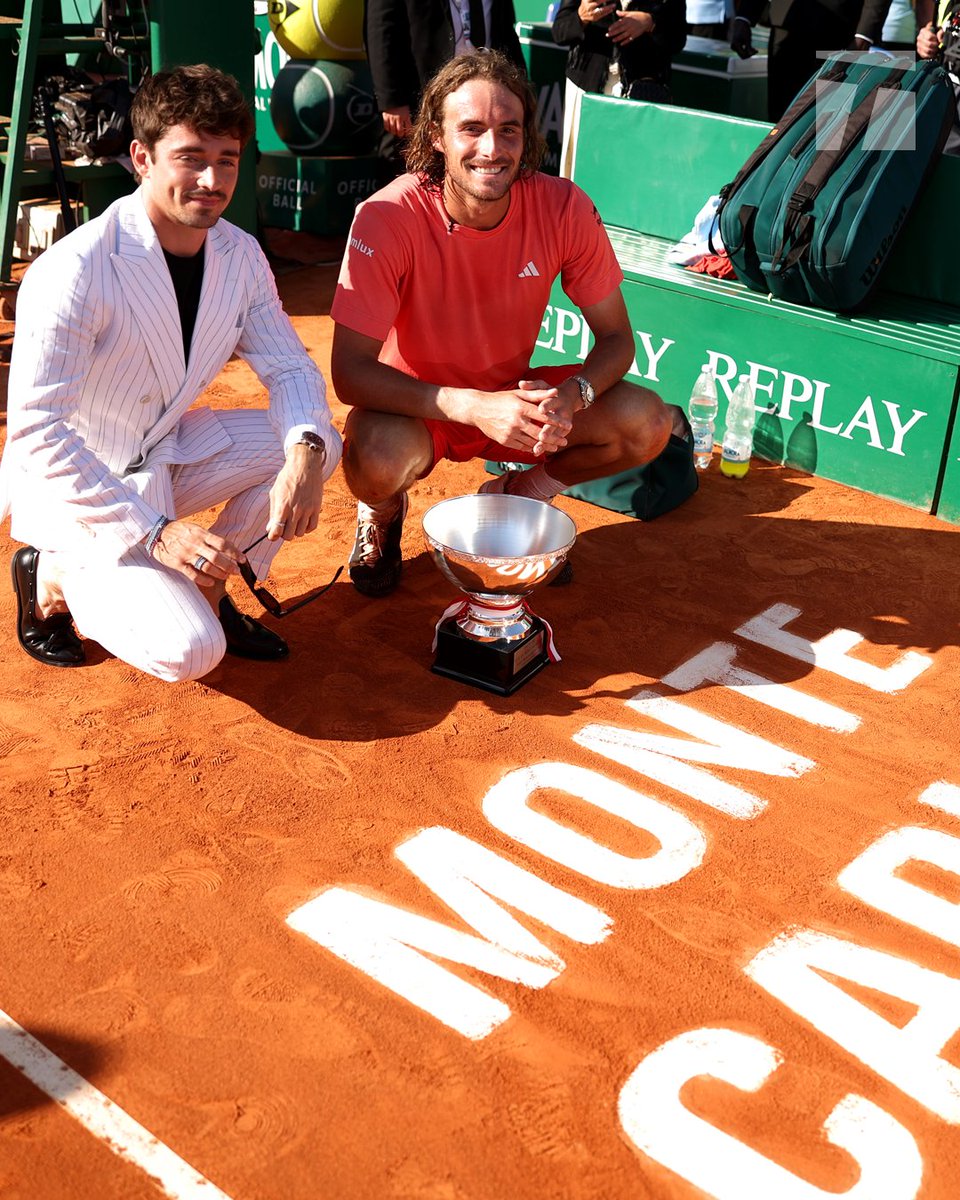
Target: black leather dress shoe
(51, 640)
(247, 638)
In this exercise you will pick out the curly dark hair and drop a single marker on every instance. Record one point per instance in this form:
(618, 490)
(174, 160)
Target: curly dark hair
(423, 159)
(206, 99)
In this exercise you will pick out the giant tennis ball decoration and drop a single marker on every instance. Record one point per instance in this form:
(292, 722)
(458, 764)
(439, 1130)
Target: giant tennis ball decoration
(325, 108)
(318, 28)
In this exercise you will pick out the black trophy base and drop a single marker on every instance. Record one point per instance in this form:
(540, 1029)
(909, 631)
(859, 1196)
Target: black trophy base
(498, 666)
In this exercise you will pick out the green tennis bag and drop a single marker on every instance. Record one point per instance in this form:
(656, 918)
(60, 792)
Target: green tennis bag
(816, 209)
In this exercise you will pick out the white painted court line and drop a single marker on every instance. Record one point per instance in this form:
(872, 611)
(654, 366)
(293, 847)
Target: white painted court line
(101, 1117)
(943, 795)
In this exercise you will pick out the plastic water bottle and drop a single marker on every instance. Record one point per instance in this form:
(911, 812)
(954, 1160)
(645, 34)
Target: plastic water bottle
(738, 439)
(702, 411)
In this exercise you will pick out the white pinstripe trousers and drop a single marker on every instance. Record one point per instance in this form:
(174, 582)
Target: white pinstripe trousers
(153, 617)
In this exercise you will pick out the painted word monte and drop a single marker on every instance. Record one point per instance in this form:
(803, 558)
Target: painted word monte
(803, 968)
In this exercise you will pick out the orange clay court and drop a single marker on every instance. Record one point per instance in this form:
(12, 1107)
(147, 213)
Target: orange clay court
(680, 918)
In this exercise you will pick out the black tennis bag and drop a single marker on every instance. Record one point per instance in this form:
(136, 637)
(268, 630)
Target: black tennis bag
(816, 209)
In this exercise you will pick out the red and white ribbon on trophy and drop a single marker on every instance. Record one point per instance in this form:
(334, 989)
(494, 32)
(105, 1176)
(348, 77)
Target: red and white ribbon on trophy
(460, 606)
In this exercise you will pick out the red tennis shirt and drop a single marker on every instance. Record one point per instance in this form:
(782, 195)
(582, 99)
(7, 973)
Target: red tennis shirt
(464, 307)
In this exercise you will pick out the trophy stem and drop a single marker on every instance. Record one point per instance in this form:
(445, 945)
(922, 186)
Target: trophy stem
(495, 622)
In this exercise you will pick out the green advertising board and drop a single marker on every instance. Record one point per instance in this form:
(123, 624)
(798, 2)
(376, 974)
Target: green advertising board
(707, 74)
(825, 407)
(948, 505)
(531, 10)
(867, 400)
(316, 195)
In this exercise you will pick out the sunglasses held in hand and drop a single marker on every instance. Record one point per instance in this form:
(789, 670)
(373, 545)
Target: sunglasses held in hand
(271, 603)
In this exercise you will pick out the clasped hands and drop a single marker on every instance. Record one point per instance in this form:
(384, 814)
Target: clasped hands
(296, 499)
(533, 417)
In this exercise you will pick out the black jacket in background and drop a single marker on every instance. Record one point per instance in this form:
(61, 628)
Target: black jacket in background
(408, 41)
(648, 57)
(814, 17)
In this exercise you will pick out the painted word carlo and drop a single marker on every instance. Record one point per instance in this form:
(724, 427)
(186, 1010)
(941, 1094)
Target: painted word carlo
(802, 968)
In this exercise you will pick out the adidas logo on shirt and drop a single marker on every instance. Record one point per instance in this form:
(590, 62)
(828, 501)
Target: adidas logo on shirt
(529, 271)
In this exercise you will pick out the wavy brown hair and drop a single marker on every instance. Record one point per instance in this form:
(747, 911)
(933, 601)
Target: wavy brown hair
(207, 100)
(428, 163)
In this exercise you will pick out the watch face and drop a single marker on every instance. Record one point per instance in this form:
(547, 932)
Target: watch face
(313, 440)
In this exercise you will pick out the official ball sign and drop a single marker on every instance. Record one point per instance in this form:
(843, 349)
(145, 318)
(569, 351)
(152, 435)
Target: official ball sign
(317, 195)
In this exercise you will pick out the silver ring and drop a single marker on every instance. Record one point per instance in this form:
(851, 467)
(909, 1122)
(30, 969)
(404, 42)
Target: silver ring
(199, 563)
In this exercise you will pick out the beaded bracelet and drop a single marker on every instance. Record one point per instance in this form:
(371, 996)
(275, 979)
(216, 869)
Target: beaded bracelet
(154, 535)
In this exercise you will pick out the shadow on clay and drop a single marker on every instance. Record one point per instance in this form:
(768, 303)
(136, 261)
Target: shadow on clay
(19, 1097)
(646, 597)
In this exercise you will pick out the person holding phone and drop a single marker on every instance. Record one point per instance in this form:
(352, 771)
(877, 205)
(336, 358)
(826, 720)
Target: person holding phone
(618, 51)
(614, 50)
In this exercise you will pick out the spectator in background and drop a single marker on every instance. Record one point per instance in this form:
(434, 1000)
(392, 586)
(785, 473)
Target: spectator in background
(939, 37)
(799, 31)
(891, 24)
(408, 41)
(618, 52)
(709, 18)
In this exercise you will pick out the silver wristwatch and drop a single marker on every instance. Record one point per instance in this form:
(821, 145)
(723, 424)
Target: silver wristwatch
(312, 441)
(587, 393)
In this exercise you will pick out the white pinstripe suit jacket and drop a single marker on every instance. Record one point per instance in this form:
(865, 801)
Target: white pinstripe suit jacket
(99, 391)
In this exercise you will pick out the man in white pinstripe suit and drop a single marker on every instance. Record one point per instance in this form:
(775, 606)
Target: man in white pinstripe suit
(119, 328)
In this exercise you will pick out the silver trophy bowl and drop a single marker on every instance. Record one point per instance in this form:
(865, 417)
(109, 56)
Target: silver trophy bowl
(497, 549)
